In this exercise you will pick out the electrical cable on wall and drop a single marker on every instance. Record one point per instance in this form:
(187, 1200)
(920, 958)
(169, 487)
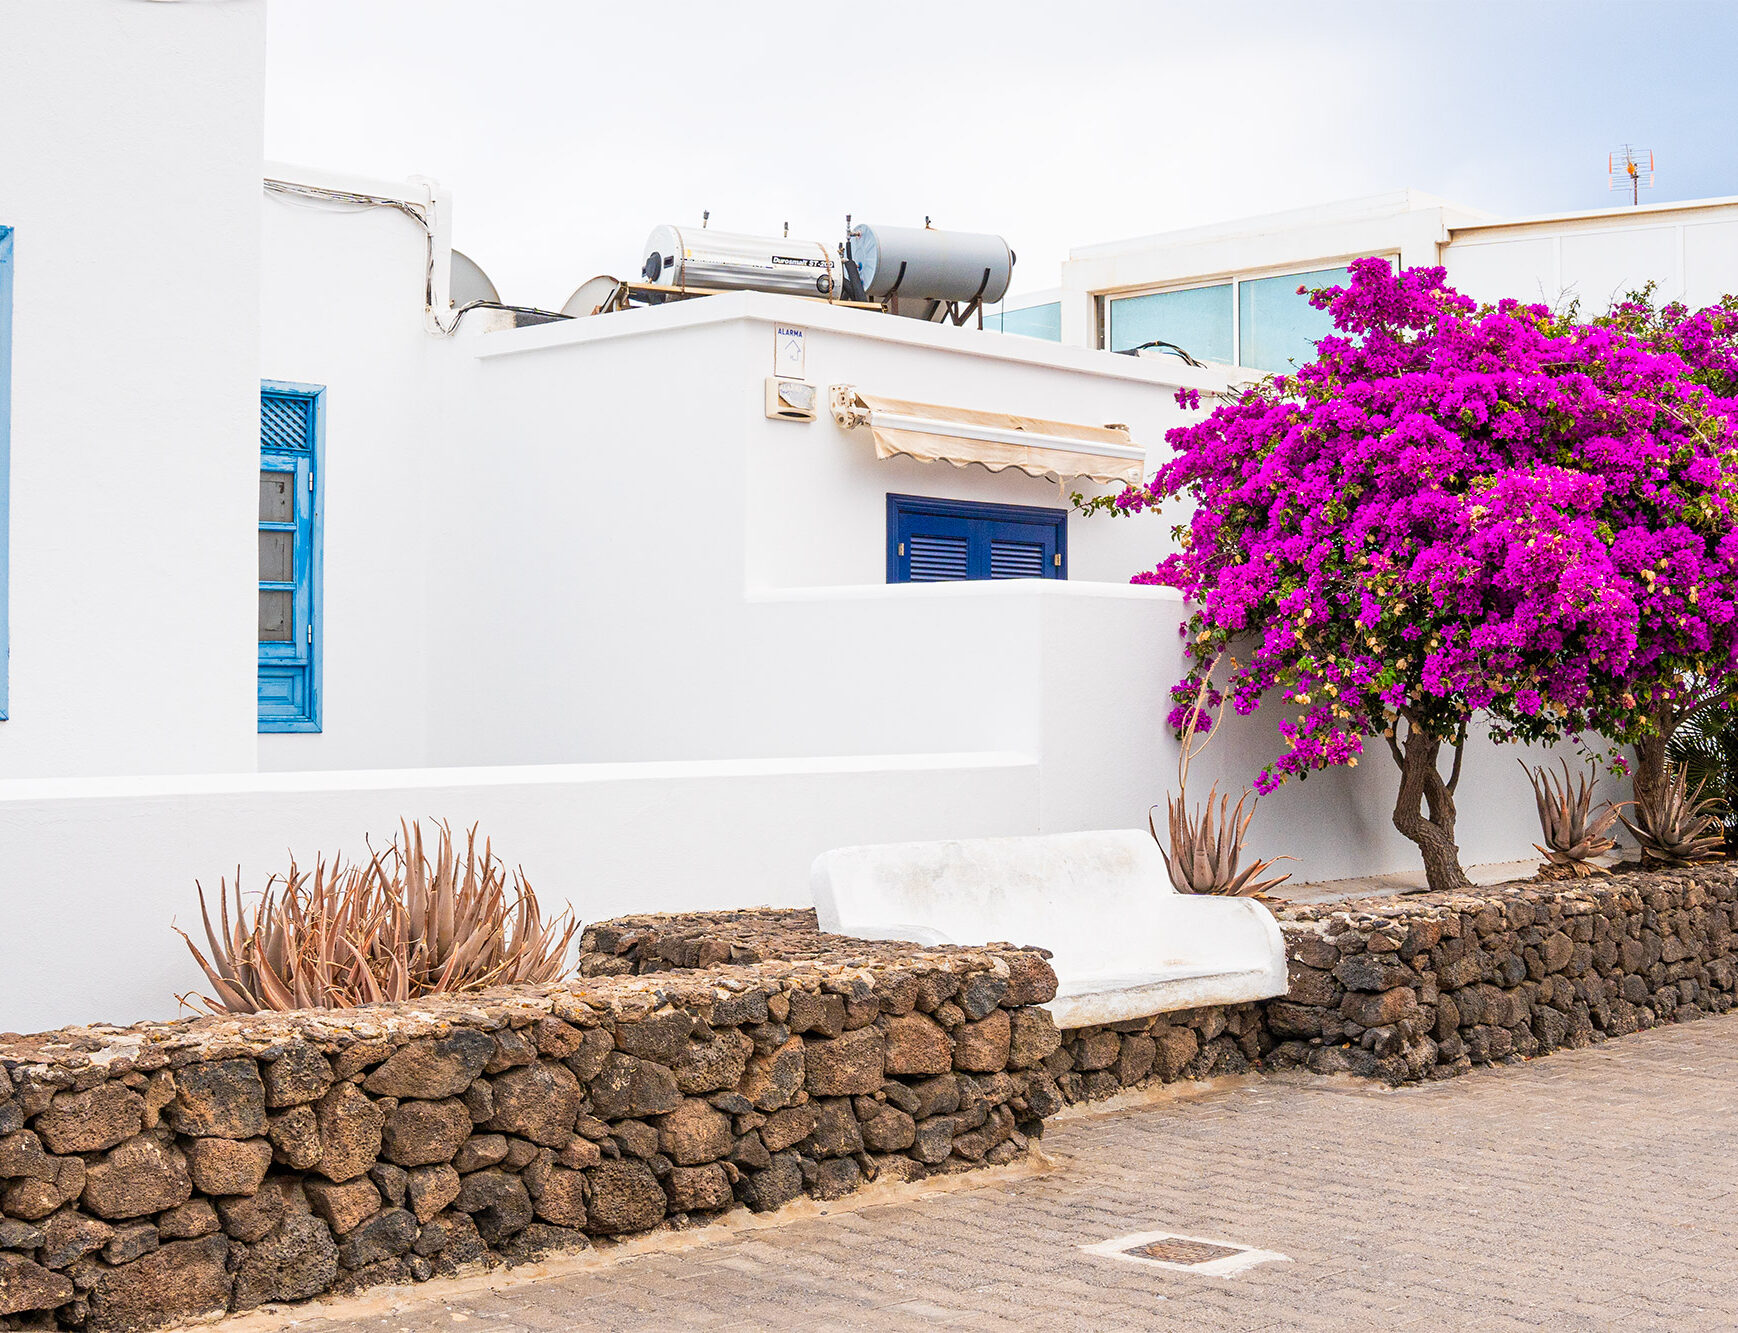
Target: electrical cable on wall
(417, 214)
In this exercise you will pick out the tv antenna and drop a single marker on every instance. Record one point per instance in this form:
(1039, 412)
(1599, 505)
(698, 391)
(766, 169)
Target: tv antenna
(1631, 169)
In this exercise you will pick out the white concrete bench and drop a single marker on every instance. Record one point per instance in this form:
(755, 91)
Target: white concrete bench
(1125, 944)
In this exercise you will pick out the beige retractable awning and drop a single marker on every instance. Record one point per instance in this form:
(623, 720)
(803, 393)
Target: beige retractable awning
(932, 433)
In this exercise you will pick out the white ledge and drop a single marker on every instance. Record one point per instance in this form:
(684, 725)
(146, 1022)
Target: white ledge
(767, 308)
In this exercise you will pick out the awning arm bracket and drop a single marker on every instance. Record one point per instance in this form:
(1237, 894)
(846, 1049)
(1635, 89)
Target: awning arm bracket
(849, 410)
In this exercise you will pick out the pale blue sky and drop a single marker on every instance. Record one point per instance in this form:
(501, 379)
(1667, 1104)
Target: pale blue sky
(568, 130)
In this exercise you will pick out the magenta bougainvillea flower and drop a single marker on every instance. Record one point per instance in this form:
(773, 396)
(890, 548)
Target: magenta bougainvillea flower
(1459, 510)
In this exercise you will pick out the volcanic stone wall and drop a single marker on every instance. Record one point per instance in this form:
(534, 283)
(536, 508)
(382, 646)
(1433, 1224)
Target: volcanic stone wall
(1427, 986)
(169, 1171)
(1398, 988)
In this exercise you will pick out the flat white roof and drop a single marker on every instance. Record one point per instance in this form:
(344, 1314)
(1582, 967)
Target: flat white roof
(773, 308)
(1591, 214)
(1327, 214)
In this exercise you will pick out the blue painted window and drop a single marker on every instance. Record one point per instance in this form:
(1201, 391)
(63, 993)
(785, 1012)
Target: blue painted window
(5, 456)
(290, 439)
(937, 541)
(1033, 321)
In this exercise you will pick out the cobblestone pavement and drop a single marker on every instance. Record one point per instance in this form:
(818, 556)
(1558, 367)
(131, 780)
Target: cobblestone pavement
(1590, 1189)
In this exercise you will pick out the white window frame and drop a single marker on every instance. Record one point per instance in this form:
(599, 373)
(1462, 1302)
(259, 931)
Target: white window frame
(1200, 281)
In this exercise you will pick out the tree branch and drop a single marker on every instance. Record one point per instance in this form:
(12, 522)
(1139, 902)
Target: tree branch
(1459, 754)
(1392, 736)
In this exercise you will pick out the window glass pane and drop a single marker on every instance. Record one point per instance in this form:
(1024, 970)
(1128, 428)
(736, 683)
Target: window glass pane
(1277, 326)
(277, 617)
(277, 557)
(277, 497)
(1034, 321)
(1198, 320)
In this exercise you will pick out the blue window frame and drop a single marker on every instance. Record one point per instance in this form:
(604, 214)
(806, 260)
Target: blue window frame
(291, 445)
(5, 460)
(938, 541)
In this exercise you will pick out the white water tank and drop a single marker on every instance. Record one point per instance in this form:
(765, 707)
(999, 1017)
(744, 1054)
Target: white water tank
(921, 264)
(700, 257)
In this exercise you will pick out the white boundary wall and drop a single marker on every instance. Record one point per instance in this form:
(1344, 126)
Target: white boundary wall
(106, 865)
(110, 864)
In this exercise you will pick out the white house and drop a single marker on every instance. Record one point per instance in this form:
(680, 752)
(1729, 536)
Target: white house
(294, 552)
(1227, 293)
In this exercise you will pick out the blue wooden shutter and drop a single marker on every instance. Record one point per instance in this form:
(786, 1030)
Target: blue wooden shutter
(935, 541)
(289, 557)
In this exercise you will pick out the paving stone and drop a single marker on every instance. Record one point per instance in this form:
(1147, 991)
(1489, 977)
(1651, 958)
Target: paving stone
(1585, 1191)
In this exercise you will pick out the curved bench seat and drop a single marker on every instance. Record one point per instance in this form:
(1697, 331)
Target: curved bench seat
(1124, 944)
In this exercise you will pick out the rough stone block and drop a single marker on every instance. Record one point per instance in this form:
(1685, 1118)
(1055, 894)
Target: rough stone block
(852, 1062)
(297, 1262)
(419, 1133)
(695, 1133)
(430, 1189)
(916, 1044)
(629, 1086)
(625, 1197)
(300, 1075)
(185, 1280)
(345, 1206)
(91, 1121)
(433, 1068)
(26, 1286)
(981, 1046)
(223, 1099)
(350, 1126)
(146, 1174)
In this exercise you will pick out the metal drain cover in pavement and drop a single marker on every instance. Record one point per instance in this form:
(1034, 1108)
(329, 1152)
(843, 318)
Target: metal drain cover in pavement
(1176, 1250)
(1186, 1254)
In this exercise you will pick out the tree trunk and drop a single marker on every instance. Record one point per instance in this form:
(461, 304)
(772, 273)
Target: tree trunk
(1424, 811)
(1648, 781)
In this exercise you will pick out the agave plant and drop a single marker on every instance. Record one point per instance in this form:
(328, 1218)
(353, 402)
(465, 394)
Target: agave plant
(1204, 849)
(1679, 825)
(398, 928)
(1573, 835)
(1707, 741)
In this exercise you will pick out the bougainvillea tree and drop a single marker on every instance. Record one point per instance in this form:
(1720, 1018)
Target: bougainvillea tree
(1684, 658)
(1453, 510)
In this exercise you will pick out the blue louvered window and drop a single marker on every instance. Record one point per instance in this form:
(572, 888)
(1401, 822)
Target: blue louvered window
(5, 451)
(939, 541)
(291, 421)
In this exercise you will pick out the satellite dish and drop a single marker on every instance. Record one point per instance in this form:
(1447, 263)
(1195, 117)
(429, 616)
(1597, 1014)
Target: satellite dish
(589, 295)
(470, 284)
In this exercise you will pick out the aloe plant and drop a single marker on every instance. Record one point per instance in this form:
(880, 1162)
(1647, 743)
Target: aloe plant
(1204, 850)
(1573, 834)
(1707, 740)
(1677, 825)
(398, 928)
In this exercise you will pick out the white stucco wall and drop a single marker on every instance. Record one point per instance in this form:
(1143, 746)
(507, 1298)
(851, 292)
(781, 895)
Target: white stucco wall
(1690, 250)
(581, 547)
(1406, 225)
(129, 167)
(112, 863)
(342, 295)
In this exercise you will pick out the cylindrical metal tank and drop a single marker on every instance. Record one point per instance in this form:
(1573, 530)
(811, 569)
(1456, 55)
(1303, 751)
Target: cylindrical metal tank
(701, 257)
(927, 265)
